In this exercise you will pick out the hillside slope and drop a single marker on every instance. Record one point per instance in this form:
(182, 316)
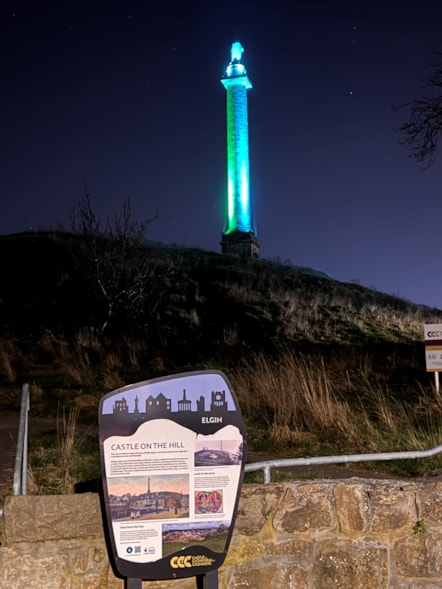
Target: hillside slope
(200, 299)
(319, 366)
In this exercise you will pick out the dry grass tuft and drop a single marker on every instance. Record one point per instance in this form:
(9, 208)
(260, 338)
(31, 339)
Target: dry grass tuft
(56, 465)
(302, 407)
(295, 395)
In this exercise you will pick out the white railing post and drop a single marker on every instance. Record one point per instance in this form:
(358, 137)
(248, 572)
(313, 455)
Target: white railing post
(19, 485)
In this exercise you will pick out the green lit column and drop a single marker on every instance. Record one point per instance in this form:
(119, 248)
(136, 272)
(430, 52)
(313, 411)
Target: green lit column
(239, 236)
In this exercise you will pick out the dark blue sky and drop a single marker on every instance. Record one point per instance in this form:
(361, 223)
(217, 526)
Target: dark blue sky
(125, 97)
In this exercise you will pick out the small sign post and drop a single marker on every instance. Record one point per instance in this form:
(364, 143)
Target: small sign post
(433, 350)
(173, 452)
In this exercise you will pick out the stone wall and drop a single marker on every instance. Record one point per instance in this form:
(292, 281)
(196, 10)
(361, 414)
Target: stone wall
(354, 533)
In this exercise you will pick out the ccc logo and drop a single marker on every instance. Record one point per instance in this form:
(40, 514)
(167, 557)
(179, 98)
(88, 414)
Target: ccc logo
(181, 562)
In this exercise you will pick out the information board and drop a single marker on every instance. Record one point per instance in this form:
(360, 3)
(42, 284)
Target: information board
(433, 346)
(173, 452)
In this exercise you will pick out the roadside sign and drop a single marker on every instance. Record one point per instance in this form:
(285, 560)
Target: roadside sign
(433, 346)
(433, 356)
(173, 452)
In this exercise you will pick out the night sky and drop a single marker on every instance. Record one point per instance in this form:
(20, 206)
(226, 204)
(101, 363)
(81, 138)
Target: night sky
(125, 98)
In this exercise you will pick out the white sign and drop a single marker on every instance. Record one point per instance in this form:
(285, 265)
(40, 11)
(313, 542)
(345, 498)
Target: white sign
(433, 333)
(433, 357)
(433, 346)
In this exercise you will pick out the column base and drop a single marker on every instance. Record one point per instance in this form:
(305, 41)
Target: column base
(240, 243)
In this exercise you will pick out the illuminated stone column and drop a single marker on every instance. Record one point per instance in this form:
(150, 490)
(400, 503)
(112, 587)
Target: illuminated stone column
(239, 236)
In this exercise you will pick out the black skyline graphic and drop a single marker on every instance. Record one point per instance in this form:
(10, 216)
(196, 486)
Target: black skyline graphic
(161, 406)
(123, 421)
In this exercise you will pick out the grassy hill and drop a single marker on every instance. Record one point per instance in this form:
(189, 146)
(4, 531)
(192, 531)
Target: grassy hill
(318, 365)
(200, 296)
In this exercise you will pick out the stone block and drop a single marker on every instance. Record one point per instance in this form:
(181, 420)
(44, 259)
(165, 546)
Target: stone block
(57, 517)
(429, 502)
(392, 506)
(352, 565)
(91, 558)
(256, 504)
(419, 555)
(294, 547)
(351, 507)
(305, 507)
(29, 569)
(266, 574)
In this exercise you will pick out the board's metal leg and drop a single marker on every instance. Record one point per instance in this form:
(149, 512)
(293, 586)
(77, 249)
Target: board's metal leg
(207, 581)
(133, 583)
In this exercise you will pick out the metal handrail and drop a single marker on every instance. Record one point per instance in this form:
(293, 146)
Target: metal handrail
(19, 485)
(267, 465)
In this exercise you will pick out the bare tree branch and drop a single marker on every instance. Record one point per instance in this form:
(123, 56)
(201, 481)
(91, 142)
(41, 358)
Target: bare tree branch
(422, 132)
(115, 261)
